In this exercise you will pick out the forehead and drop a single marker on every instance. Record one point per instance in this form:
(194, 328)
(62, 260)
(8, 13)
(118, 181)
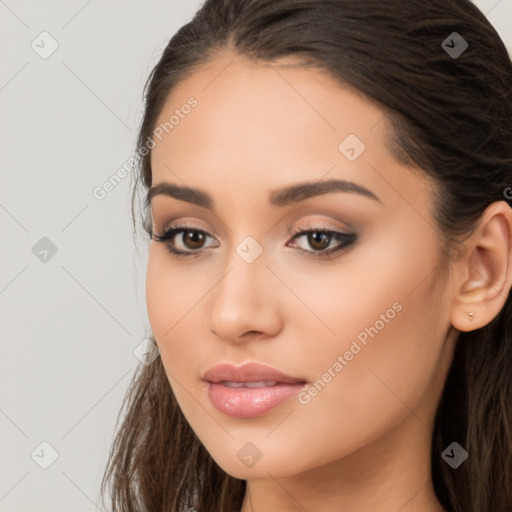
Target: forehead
(247, 101)
(263, 125)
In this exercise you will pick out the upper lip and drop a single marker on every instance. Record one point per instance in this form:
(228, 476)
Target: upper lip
(249, 372)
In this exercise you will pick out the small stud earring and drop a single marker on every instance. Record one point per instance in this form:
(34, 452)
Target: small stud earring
(470, 316)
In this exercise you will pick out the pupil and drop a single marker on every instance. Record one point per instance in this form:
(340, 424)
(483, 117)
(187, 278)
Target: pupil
(194, 237)
(318, 238)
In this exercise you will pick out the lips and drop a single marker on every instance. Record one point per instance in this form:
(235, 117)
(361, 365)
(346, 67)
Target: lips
(250, 390)
(249, 373)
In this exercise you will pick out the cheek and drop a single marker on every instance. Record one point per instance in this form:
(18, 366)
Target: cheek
(174, 295)
(171, 291)
(158, 292)
(167, 302)
(381, 309)
(385, 313)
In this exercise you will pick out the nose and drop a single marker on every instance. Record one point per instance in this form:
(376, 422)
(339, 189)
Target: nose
(245, 304)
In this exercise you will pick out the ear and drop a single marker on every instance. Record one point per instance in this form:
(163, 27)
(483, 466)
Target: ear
(484, 274)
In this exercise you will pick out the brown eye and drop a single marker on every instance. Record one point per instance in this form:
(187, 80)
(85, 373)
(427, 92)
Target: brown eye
(193, 239)
(189, 242)
(319, 240)
(184, 241)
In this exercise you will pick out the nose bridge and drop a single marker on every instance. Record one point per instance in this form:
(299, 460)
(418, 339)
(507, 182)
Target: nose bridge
(241, 301)
(246, 270)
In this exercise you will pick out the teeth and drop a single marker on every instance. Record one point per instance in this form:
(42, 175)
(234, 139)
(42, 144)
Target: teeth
(260, 384)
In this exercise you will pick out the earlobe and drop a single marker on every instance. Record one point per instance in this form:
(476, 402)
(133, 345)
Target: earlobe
(485, 271)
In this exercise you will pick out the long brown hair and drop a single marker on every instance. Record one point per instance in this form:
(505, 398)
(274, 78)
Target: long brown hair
(450, 115)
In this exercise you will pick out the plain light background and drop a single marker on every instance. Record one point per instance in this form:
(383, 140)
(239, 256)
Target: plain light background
(71, 319)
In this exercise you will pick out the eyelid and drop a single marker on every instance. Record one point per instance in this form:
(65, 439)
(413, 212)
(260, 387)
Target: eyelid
(322, 225)
(318, 225)
(181, 227)
(345, 239)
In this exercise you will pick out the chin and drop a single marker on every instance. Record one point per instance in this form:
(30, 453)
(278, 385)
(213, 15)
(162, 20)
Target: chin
(248, 462)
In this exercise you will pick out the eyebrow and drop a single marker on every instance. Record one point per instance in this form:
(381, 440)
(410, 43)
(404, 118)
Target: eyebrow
(281, 197)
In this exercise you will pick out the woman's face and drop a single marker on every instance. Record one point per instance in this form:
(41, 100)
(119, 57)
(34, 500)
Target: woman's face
(362, 331)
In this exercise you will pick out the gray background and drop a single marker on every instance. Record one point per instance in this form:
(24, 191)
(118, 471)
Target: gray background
(70, 321)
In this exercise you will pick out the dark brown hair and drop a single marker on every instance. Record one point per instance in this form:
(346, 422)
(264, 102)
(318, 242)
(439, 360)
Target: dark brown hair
(450, 116)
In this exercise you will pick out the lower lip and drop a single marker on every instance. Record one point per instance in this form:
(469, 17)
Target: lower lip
(250, 402)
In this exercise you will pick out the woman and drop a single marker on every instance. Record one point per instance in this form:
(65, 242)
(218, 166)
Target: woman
(329, 267)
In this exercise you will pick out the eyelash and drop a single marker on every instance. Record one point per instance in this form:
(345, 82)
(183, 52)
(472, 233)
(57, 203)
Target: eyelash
(346, 240)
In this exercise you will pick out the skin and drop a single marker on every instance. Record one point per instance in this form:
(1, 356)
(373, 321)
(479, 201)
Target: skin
(363, 442)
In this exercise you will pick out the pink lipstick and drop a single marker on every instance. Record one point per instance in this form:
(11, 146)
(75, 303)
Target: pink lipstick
(249, 390)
